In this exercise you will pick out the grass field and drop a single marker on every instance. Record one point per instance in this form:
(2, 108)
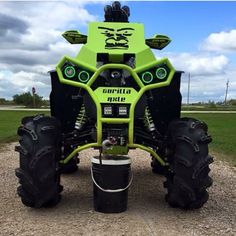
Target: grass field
(222, 127)
(208, 108)
(9, 122)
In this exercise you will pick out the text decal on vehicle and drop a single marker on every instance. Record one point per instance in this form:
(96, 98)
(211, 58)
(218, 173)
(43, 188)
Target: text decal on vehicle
(117, 91)
(116, 38)
(116, 99)
(116, 94)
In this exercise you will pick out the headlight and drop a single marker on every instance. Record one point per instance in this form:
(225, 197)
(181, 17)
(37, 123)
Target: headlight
(147, 77)
(75, 72)
(69, 71)
(161, 73)
(83, 76)
(154, 75)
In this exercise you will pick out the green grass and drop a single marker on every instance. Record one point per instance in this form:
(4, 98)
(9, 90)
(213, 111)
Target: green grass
(9, 122)
(208, 108)
(222, 128)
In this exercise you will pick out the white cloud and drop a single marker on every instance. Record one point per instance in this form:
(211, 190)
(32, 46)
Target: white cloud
(1, 75)
(209, 68)
(48, 15)
(199, 64)
(22, 81)
(46, 22)
(209, 74)
(224, 41)
(33, 50)
(209, 87)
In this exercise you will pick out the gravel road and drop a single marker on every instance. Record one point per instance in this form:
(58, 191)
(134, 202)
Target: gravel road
(147, 213)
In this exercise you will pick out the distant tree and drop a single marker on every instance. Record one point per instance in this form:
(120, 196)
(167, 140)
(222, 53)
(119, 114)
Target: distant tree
(232, 102)
(4, 101)
(219, 103)
(211, 104)
(28, 100)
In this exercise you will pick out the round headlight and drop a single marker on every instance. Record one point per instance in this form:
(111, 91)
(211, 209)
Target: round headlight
(83, 76)
(69, 71)
(147, 77)
(161, 73)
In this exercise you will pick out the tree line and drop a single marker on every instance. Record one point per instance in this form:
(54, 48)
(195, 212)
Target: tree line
(25, 99)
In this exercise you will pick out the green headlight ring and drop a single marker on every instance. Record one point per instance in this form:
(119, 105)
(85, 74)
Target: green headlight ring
(85, 73)
(161, 73)
(66, 71)
(145, 80)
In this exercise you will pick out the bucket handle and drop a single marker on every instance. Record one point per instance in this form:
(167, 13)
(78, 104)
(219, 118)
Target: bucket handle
(111, 190)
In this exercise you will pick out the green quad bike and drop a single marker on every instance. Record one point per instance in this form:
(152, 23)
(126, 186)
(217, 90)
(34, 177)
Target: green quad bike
(114, 94)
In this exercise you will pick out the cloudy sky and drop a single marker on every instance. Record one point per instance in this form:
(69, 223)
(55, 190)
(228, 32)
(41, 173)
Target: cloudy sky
(203, 41)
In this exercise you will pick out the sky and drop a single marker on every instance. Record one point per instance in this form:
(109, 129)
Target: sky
(203, 41)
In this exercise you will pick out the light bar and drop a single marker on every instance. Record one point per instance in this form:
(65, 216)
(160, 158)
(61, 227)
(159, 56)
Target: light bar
(122, 111)
(107, 110)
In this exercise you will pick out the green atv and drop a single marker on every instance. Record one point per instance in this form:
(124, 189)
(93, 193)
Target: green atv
(113, 97)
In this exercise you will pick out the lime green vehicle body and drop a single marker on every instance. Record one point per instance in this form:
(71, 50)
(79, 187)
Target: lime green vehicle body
(102, 39)
(114, 96)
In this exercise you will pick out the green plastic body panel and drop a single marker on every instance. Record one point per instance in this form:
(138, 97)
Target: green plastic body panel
(158, 41)
(75, 37)
(105, 38)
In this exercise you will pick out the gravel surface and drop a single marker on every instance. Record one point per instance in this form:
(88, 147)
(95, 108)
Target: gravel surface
(147, 214)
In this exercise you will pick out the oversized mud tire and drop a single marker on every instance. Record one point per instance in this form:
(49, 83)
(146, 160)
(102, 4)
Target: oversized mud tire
(188, 177)
(39, 149)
